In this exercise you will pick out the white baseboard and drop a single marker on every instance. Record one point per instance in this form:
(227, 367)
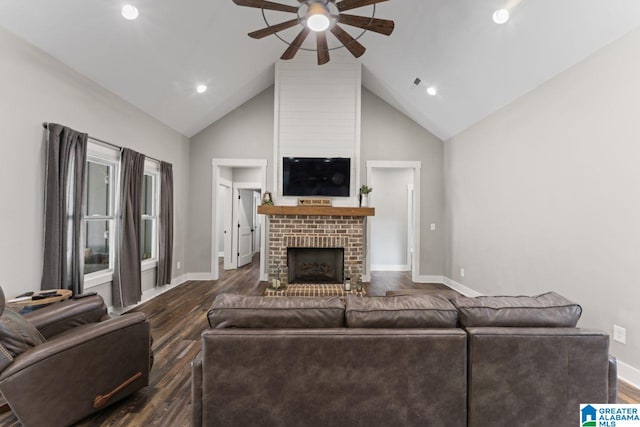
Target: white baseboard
(427, 279)
(464, 290)
(629, 374)
(149, 294)
(152, 293)
(200, 276)
(179, 280)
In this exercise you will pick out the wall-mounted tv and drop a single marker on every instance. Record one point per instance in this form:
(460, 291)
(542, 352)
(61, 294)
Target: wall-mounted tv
(316, 176)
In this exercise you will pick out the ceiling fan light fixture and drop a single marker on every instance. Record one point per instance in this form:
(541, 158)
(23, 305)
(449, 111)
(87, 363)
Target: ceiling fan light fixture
(318, 17)
(501, 16)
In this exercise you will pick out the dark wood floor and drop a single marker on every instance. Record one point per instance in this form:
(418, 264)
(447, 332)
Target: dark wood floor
(177, 318)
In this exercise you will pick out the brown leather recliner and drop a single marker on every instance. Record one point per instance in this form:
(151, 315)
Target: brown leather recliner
(63, 362)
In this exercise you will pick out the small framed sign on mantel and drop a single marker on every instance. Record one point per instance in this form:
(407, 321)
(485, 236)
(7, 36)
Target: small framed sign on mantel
(314, 202)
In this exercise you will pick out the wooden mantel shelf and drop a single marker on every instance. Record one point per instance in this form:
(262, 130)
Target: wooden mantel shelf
(315, 210)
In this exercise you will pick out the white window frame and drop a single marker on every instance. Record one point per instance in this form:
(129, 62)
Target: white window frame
(152, 168)
(102, 155)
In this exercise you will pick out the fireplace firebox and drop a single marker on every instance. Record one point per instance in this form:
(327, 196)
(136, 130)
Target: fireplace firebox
(315, 265)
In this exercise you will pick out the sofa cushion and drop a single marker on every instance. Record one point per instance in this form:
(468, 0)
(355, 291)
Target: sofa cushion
(415, 311)
(546, 310)
(16, 334)
(241, 311)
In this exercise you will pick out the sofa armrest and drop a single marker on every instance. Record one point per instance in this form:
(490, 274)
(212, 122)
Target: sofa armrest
(613, 379)
(538, 374)
(196, 391)
(65, 374)
(62, 316)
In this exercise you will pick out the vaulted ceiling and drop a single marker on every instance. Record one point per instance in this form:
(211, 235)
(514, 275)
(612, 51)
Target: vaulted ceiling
(477, 66)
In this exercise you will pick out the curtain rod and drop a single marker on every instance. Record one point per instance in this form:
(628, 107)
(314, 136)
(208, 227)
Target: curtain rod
(100, 141)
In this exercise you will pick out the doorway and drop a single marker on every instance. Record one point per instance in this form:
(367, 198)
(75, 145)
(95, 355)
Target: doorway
(393, 234)
(233, 178)
(245, 243)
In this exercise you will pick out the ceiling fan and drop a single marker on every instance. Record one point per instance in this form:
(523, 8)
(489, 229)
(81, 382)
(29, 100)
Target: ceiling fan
(320, 16)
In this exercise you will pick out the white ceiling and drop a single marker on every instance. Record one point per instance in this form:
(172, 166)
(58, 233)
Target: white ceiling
(478, 67)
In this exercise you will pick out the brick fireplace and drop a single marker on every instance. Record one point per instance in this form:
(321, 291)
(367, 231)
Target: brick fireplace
(322, 227)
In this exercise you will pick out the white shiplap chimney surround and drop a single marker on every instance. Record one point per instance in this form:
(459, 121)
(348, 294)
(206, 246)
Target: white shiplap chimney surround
(317, 114)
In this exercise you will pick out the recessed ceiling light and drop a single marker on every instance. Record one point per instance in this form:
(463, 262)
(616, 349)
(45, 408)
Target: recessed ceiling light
(201, 88)
(431, 90)
(129, 12)
(500, 16)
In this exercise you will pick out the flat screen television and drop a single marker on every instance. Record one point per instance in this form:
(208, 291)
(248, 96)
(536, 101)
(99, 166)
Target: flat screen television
(316, 176)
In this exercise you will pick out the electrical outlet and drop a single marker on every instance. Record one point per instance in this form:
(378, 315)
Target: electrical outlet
(433, 227)
(178, 265)
(619, 334)
(462, 272)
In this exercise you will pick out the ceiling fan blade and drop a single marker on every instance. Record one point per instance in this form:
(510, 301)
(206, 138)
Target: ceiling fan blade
(262, 4)
(353, 4)
(295, 44)
(258, 34)
(349, 42)
(322, 48)
(382, 26)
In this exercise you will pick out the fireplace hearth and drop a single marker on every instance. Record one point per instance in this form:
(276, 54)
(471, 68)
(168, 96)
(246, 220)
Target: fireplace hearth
(315, 265)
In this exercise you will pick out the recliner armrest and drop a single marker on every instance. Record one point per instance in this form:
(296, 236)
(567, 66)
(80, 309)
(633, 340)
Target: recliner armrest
(73, 338)
(62, 316)
(66, 374)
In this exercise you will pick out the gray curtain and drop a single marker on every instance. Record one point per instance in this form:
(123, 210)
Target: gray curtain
(127, 286)
(165, 225)
(63, 209)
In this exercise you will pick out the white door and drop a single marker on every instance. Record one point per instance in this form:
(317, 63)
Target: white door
(245, 227)
(391, 243)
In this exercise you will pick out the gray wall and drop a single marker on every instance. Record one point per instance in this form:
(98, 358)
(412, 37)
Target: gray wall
(246, 175)
(247, 133)
(34, 88)
(387, 134)
(545, 194)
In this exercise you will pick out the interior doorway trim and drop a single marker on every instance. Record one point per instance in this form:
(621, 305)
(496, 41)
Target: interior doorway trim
(415, 226)
(235, 163)
(227, 218)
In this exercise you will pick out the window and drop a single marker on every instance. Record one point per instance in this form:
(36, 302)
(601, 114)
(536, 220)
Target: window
(149, 226)
(99, 218)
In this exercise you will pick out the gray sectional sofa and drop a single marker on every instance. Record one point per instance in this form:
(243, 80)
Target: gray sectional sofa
(417, 360)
